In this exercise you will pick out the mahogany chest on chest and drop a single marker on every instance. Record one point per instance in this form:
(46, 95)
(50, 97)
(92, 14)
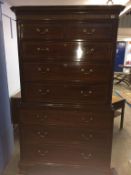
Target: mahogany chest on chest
(66, 56)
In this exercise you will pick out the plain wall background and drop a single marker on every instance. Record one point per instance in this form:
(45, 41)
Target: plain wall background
(6, 130)
(11, 50)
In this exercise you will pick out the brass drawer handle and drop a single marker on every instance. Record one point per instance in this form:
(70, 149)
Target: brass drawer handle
(87, 138)
(87, 72)
(90, 92)
(42, 118)
(86, 120)
(65, 44)
(91, 70)
(86, 156)
(42, 71)
(42, 134)
(82, 92)
(91, 118)
(65, 85)
(65, 65)
(82, 70)
(37, 116)
(42, 49)
(47, 91)
(42, 32)
(90, 51)
(45, 116)
(86, 93)
(89, 32)
(42, 153)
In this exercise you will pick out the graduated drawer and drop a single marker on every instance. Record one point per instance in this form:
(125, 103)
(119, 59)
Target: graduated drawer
(70, 71)
(66, 30)
(58, 117)
(40, 30)
(38, 134)
(73, 51)
(89, 31)
(69, 155)
(65, 92)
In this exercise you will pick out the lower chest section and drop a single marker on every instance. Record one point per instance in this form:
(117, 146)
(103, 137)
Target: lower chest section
(70, 137)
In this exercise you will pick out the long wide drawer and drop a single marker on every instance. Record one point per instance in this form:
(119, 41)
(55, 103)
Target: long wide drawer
(72, 71)
(67, 92)
(71, 155)
(66, 117)
(38, 134)
(73, 51)
(66, 30)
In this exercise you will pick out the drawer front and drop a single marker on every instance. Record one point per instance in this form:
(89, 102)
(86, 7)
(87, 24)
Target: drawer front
(71, 155)
(73, 51)
(70, 71)
(58, 117)
(38, 134)
(66, 30)
(89, 31)
(40, 30)
(49, 92)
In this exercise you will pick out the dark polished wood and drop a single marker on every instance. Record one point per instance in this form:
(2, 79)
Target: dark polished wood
(118, 105)
(71, 71)
(73, 155)
(66, 56)
(63, 116)
(73, 51)
(15, 102)
(32, 134)
(67, 92)
(79, 30)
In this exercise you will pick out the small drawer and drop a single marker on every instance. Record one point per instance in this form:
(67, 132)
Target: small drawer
(66, 92)
(89, 31)
(40, 30)
(66, 117)
(38, 134)
(69, 155)
(71, 71)
(77, 51)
